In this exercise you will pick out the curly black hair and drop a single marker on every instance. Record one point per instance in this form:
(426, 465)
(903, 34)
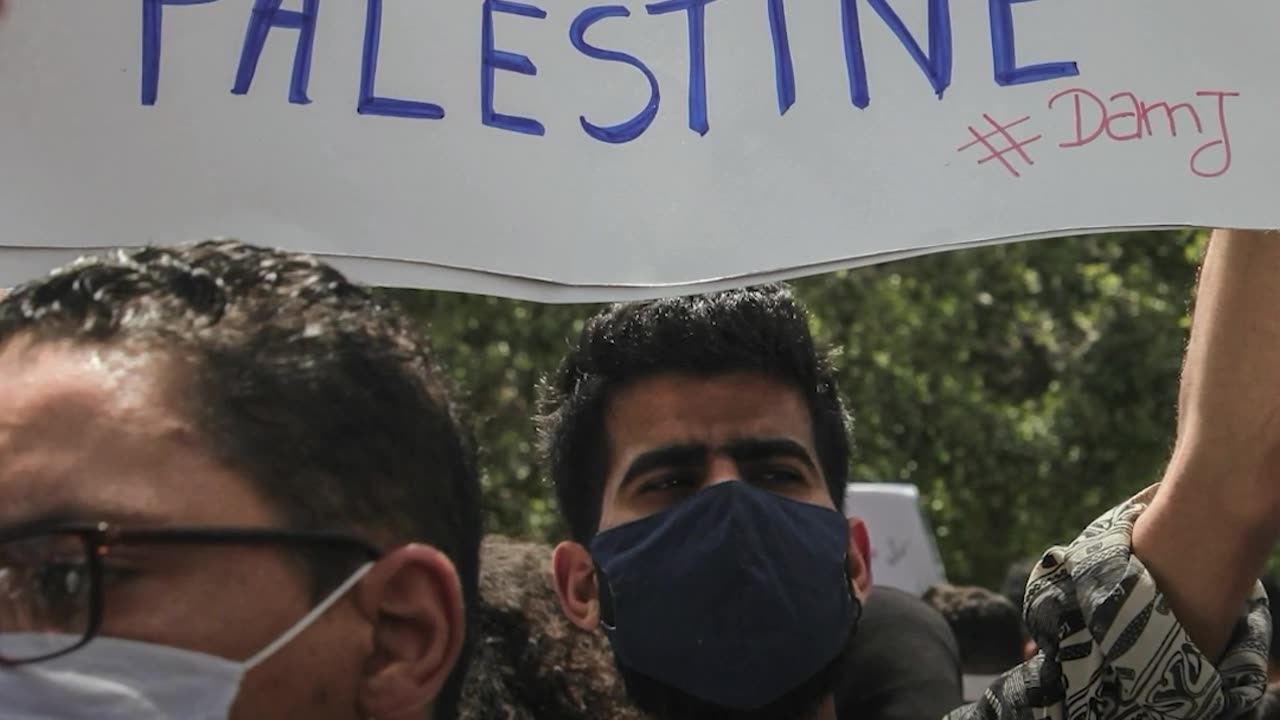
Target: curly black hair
(313, 387)
(762, 329)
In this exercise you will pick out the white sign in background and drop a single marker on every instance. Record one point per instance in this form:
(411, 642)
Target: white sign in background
(903, 553)
(127, 122)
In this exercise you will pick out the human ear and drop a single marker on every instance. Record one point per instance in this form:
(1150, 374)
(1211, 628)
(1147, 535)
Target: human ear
(575, 581)
(859, 556)
(414, 599)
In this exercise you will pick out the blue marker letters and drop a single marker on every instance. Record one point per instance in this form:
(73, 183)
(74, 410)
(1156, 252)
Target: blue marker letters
(265, 16)
(1004, 51)
(492, 60)
(371, 104)
(635, 127)
(697, 56)
(936, 64)
(935, 61)
(784, 72)
(152, 22)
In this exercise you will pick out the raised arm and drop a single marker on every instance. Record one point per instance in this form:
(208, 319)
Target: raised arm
(1216, 517)
(1108, 647)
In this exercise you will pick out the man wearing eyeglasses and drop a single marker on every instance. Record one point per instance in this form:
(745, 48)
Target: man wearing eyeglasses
(232, 485)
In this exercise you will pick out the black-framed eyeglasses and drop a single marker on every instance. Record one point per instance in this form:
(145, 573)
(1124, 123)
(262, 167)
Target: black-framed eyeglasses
(51, 577)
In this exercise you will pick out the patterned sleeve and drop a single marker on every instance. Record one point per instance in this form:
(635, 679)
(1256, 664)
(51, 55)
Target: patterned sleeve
(1111, 648)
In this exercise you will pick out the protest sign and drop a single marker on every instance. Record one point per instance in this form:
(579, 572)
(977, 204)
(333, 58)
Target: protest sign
(571, 150)
(903, 553)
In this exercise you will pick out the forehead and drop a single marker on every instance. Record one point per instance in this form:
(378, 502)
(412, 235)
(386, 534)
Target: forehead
(90, 430)
(669, 409)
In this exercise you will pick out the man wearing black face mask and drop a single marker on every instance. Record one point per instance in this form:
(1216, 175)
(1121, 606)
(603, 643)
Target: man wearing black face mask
(721, 599)
(700, 450)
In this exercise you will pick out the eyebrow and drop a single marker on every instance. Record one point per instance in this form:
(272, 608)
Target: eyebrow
(71, 514)
(679, 455)
(756, 449)
(744, 450)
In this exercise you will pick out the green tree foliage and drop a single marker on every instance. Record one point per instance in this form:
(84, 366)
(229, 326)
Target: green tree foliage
(1024, 388)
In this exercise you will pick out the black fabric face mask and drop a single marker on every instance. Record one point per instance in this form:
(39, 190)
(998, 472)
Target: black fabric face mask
(734, 596)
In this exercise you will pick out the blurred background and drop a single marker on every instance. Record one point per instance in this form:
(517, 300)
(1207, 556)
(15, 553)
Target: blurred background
(1024, 389)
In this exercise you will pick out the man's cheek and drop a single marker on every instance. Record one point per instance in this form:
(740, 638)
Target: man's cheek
(315, 677)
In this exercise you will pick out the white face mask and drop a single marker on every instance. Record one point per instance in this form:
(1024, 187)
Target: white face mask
(112, 679)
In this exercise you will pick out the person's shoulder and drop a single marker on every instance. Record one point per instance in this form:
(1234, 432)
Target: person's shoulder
(898, 619)
(895, 598)
(894, 605)
(903, 661)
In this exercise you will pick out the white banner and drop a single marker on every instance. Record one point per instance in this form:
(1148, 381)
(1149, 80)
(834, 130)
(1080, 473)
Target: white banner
(568, 150)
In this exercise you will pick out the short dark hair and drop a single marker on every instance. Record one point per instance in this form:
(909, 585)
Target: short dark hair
(988, 628)
(762, 329)
(315, 388)
(1015, 580)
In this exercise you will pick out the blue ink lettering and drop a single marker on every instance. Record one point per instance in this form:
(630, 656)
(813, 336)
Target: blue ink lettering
(371, 104)
(697, 56)
(635, 127)
(854, 57)
(265, 16)
(152, 22)
(936, 64)
(1004, 51)
(492, 60)
(784, 71)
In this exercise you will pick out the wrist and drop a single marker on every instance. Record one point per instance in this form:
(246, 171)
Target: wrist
(1229, 482)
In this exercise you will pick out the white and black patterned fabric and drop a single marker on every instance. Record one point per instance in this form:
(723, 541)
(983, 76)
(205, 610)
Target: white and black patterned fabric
(1110, 647)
